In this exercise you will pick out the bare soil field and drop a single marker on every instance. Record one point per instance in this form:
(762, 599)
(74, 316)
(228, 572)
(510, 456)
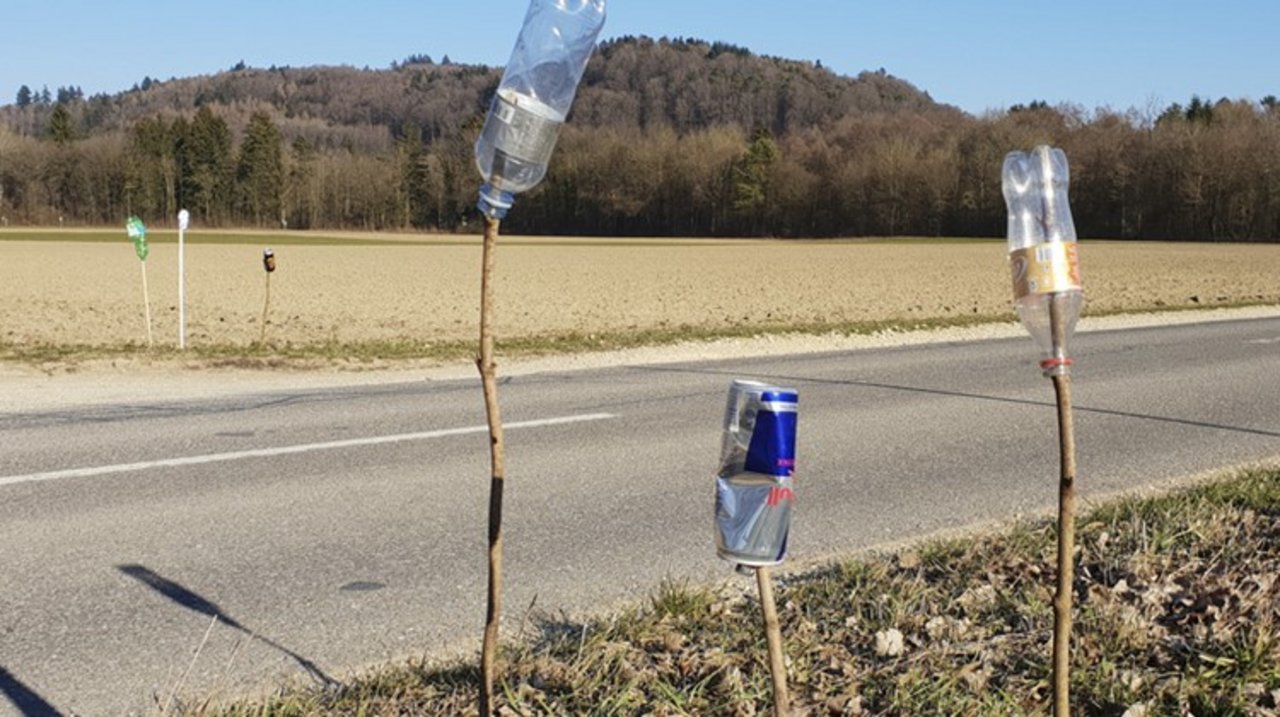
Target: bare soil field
(68, 291)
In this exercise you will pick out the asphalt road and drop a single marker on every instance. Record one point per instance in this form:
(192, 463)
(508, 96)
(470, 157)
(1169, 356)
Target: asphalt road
(322, 531)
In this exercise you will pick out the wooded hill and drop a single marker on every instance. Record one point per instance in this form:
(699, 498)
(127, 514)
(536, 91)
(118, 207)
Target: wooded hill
(668, 137)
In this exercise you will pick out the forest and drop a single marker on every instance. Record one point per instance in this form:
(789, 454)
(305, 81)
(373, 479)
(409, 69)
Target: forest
(669, 137)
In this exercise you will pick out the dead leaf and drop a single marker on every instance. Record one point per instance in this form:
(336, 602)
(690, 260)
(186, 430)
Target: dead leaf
(890, 643)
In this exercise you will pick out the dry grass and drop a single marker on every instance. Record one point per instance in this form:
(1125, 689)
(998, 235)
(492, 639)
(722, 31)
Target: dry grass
(1178, 614)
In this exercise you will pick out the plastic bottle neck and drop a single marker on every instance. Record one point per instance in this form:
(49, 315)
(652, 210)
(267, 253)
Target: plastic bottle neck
(494, 202)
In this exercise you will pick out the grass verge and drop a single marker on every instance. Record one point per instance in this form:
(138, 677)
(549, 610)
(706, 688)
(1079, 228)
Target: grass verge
(324, 353)
(1178, 612)
(371, 353)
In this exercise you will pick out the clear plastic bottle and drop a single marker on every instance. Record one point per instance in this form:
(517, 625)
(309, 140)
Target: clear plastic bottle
(535, 95)
(1043, 251)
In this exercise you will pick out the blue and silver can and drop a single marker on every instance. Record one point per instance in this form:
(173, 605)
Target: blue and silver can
(754, 490)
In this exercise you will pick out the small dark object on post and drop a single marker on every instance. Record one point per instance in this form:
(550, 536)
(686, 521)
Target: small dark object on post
(268, 263)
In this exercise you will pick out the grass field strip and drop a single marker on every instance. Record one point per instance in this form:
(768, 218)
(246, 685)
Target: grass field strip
(93, 471)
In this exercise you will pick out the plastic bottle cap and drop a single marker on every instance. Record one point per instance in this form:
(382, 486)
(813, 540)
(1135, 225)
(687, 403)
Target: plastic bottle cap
(494, 203)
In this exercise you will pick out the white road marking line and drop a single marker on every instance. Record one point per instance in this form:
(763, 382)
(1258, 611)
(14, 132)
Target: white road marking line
(288, 450)
(1264, 341)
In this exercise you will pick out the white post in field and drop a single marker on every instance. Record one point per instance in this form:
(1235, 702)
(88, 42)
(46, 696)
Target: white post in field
(184, 219)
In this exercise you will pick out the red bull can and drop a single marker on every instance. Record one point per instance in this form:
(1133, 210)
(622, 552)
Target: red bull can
(754, 492)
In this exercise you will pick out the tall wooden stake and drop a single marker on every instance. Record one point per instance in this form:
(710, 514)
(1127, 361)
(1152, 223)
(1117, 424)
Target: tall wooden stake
(488, 377)
(773, 635)
(266, 304)
(146, 302)
(1066, 526)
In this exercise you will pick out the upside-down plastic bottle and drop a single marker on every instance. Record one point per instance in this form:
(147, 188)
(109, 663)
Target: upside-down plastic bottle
(1043, 254)
(534, 98)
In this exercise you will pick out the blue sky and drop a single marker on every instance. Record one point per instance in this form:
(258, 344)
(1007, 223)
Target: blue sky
(976, 55)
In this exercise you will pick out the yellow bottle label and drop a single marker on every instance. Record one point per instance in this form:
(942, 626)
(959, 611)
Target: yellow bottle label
(1045, 269)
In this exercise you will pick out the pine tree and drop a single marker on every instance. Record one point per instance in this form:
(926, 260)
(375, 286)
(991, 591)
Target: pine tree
(24, 96)
(751, 180)
(1199, 110)
(180, 138)
(61, 129)
(153, 171)
(414, 202)
(301, 201)
(211, 166)
(260, 172)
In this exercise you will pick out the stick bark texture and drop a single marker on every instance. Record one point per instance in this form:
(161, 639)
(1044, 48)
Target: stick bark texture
(1066, 550)
(1066, 523)
(773, 635)
(488, 378)
(266, 305)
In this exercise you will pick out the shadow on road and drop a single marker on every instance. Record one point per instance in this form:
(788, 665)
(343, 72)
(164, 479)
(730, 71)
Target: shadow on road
(29, 703)
(195, 602)
(976, 396)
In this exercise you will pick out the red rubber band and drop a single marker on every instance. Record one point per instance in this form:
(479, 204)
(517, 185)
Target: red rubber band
(1055, 363)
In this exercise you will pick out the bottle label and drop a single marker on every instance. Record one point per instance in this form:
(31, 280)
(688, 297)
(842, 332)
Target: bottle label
(505, 111)
(525, 128)
(1045, 269)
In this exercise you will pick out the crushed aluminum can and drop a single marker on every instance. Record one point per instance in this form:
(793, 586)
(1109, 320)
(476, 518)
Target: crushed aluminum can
(268, 260)
(757, 466)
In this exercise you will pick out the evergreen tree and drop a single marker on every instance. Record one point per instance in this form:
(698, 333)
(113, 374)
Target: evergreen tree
(153, 171)
(751, 190)
(180, 138)
(1199, 111)
(260, 172)
(211, 166)
(24, 96)
(415, 204)
(61, 129)
(300, 199)
(1173, 113)
(67, 95)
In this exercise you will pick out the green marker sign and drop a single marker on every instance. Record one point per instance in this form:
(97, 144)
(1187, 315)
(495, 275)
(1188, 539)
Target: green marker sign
(138, 233)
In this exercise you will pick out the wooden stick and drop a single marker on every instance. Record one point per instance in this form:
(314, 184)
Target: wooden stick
(146, 302)
(266, 303)
(488, 377)
(773, 634)
(1066, 525)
